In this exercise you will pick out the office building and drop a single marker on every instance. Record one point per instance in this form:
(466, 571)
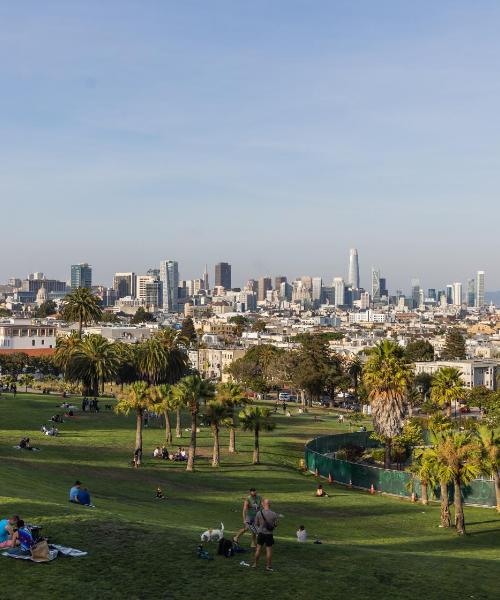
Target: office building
(153, 293)
(317, 291)
(125, 285)
(264, 285)
(278, 280)
(415, 293)
(223, 275)
(339, 287)
(206, 282)
(449, 294)
(471, 292)
(457, 294)
(81, 276)
(479, 300)
(169, 277)
(51, 286)
(285, 291)
(431, 294)
(375, 285)
(384, 293)
(353, 276)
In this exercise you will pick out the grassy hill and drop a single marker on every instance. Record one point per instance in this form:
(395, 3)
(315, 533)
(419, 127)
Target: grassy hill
(140, 548)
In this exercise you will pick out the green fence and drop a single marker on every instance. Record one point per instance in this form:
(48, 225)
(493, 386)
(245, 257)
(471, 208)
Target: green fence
(398, 483)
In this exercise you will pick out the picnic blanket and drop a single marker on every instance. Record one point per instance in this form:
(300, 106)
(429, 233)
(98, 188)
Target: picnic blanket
(54, 551)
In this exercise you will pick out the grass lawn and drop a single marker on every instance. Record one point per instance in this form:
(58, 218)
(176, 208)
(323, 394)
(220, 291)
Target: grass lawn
(140, 548)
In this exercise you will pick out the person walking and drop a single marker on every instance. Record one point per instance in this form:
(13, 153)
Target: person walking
(251, 506)
(266, 522)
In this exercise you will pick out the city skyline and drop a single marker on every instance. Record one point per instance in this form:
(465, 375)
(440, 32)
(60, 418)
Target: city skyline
(274, 152)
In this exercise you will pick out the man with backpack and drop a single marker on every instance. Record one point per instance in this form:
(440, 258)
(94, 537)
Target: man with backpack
(266, 522)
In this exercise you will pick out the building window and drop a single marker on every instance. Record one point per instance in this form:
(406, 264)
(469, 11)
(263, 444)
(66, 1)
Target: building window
(43, 342)
(32, 342)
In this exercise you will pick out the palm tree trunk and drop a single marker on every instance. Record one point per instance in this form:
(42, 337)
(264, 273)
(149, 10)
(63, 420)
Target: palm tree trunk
(445, 506)
(216, 452)
(425, 497)
(178, 428)
(80, 327)
(459, 508)
(232, 440)
(168, 427)
(138, 431)
(387, 454)
(496, 478)
(192, 444)
(256, 448)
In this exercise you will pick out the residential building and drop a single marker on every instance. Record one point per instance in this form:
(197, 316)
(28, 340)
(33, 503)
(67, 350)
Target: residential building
(81, 276)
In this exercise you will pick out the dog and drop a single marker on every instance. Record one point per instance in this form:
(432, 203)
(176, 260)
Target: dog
(213, 535)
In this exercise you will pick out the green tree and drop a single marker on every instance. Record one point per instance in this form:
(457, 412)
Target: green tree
(217, 414)
(163, 398)
(26, 379)
(142, 316)
(189, 392)
(259, 326)
(93, 362)
(231, 395)
(418, 351)
(47, 308)
(387, 378)
(81, 306)
(188, 332)
(252, 370)
(478, 396)
(135, 397)
(454, 346)
(447, 387)
(5, 312)
(65, 347)
(354, 370)
(256, 419)
(240, 324)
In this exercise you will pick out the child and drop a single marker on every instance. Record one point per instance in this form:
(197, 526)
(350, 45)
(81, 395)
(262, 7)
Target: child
(159, 494)
(302, 534)
(320, 492)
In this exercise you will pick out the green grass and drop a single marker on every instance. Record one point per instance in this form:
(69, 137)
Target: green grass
(139, 548)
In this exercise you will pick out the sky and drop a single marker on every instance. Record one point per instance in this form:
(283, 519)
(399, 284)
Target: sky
(274, 135)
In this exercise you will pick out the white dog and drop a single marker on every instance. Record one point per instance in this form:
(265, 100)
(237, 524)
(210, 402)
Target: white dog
(213, 535)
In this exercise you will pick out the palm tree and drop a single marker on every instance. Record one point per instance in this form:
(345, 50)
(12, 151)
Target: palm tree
(232, 396)
(164, 400)
(93, 361)
(387, 378)
(457, 461)
(135, 397)
(355, 370)
(65, 346)
(423, 470)
(447, 387)
(82, 306)
(189, 392)
(490, 441)
(256, 419)
(162, 359)
(26, 379)
(217, 414)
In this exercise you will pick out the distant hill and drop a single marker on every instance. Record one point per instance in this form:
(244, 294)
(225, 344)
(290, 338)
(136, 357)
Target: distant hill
(492, 297)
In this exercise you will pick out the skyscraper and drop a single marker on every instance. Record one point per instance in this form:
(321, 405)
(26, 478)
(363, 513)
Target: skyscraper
(169, 276)
(471, 292)
(125, 284)
(278, 280)
(479, 289)
(415, 293)
(223, 275)
(353, 276)
(206, 282)
(81, 276)
(317, 291)
(457, 294)
(265, 284)
(339, 287)
(375, 285)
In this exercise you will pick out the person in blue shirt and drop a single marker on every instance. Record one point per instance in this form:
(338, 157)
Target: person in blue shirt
(23, 537)
(79, 495)
(6, 530)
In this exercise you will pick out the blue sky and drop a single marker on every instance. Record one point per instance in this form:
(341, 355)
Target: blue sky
(272, 134)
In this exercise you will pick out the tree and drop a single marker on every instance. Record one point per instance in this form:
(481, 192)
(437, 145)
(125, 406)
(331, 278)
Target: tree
(447, 387)
(81, 306)
(93, 362)
(355, 370)
(163, 358)
(454, 346)
(232, 396)
(490, 441)
(26, 379)
(142, 316)
(478, 396)
(387, 378)
(457, 460)
(5, 312)
(423, 470)
(189, 392)
(240, 324)
(252, 370)
(135, 397)
(47, 308)
(188, 332)
(216, 415)
(419, 350)
(65, 347)
(259, 326)
(163, 398)
(256, 419)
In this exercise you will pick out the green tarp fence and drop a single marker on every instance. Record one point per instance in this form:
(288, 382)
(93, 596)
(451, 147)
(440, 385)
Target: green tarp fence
(398, 483)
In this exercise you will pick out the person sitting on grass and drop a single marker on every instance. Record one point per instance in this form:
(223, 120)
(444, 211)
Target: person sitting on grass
(22, 537)
(164, 453)
(79, 494)
(320, 492)
(24, 444)
(157, 452)
(301, 534)
(7, 527)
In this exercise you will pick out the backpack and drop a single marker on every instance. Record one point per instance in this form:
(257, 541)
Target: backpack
(225, 548)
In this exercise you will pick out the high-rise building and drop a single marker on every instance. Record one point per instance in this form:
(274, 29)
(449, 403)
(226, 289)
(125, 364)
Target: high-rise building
(206, 282)
(384, 292)
(449, 294)
(153, 293)
(125, 284)
(375, 285)
(457, 294)
(353, 276)
(278, 280)
(479, 289)
(431, 294)
(471, 292)
(285, 291)
(223, 275)
(339, 286)
(264, 285)
(317, 291)
(81, 276)
(169, 277)
(415, 293)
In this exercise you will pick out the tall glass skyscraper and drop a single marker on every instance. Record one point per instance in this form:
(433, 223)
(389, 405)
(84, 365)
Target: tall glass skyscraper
(81, 276)
(353, 276)
(375, 285)
(169, 277)
(479, 289)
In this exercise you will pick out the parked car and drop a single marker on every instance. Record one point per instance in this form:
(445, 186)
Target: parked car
(284, 397)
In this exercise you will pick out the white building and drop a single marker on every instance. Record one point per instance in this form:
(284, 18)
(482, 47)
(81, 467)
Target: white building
(19, 335)
(456, 294)
(339, 287)
(474, 372)
(479, 289)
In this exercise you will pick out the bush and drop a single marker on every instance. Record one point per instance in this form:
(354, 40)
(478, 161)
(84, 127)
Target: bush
(378, 454)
